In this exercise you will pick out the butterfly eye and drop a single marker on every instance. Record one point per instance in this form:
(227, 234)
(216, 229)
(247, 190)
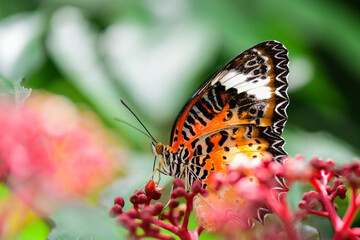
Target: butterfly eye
(159, 148)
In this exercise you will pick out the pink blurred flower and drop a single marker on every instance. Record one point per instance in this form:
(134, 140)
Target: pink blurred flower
(297, 169)
(51, 153)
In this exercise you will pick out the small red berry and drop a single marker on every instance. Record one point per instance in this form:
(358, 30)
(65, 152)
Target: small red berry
(158, 207)
(337, 182)
(302, 204)
(156, 195)
(142, 198)
(178, 183)
(139, 191)
(173, 203)
(180, 192)
(341, 191)
(120, 201)
(196, 187)
(115, 211)
(329, 189)
(132, 213)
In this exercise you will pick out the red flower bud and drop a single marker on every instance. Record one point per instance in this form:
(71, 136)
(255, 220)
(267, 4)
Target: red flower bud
(329, 189)
(134, 199)
(196, 187)
(302, 204)
(142, 198)
(178, 183)
(341, 191)
(318, 163)
(173, 203)
(337, 182)
(132, 213)
(146, 216)
(120, 201)
(150, 186)
(179, 192)
(139, 191)
(158, 207)
(115, 211)
(330, 162)
(156, 195)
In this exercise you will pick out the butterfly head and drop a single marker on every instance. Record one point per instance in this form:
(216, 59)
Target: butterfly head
(158, 149)
(164, 153)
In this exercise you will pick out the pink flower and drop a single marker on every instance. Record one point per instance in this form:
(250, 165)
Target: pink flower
(297, 169)
(51, 153)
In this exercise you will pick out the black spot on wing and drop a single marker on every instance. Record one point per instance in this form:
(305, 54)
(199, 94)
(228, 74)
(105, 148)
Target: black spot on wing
(191, 130)
(192, 111)
(185, 136)
(209, 145)
(204, 111)
(193, 143)
(198, 151)
(224, 137)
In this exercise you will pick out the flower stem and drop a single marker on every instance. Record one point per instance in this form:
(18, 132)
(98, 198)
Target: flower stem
(165, 225)
(349, 215)
(281, 209)
(189, 208)
(334, 218)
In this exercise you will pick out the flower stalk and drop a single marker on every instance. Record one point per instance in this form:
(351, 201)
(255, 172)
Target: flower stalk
(141, 221)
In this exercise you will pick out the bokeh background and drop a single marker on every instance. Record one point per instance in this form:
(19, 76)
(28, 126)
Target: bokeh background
(153, 54)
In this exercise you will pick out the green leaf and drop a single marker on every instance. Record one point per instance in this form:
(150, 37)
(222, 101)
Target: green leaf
(84, 222)
(13, 90)
(58, 234)
(318, 144)
(138, 172)
(36, 230)
(307, 232)
(21, 47)
(294, 195)
(4, 191)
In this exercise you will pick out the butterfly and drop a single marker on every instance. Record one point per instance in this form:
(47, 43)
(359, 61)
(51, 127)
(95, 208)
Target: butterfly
(239, 109)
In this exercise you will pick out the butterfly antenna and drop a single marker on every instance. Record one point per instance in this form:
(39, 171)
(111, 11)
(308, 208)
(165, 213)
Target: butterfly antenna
(139, 121)
(123, 121)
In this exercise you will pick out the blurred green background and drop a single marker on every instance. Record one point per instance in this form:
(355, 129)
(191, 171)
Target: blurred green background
(153, 54)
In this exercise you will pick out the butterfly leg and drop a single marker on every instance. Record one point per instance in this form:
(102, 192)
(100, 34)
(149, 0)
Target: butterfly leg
(159, 170)
(166, 205)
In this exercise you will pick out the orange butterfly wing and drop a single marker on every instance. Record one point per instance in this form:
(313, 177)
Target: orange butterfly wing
(240, 109)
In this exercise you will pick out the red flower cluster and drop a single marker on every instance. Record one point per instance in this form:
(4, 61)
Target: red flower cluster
(143, 214)
(324, 176)
(321, 201)
(248, 192)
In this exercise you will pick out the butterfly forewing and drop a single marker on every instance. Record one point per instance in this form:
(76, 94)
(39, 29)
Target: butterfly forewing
(243, 105)
(239, 111)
